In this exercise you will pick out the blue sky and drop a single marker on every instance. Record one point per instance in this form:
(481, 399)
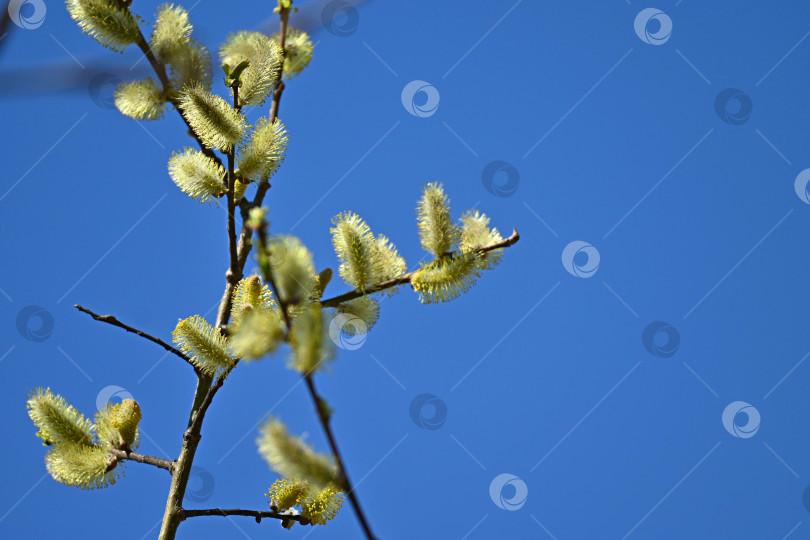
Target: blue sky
(621, 137)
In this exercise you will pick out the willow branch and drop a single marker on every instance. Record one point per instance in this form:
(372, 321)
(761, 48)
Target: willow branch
(206, 386)
(160, 71)
(279, 89)
(323, 416)
(234, 272)
(259, 515)
(244, 245)
(141, 458)
(109, 319)
(196, 424)
(406, 278)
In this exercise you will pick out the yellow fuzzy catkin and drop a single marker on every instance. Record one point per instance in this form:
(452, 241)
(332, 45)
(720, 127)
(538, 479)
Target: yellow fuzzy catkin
(446, 278)
(437, 232)
(171, 32)
(216, 123)
(357, 250)
(204, 344)
(82, 466)
(107, 22)
(291, 457)
(265, 57)
(141, 100)
(298, 49)
(263, 153)
(197, 175)
(57, 420)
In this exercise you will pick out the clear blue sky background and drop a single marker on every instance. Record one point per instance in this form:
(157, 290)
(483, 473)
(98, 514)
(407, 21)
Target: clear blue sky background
(544, 375)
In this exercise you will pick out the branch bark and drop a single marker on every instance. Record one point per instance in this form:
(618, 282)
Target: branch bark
(259, 515)
(141, 458)
(323, 416)
(109, 319)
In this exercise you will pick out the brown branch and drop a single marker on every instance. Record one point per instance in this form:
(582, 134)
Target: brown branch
(160, 71)
(141, 458)
(109, 319)
(259, 515)
(205, 391)
(323, 415)
(195, 427)
(406, 278)
(244, 245)
(279, 89)
(320, 405)
(234, 272)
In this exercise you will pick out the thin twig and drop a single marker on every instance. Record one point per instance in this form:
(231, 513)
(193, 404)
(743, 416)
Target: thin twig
(323, 416)
(196, 424)
(406, 278)
(141, 458)
(160, 71)
(244, 244)
(234, 272)
(279, 89)
(109, 319)
(225, 512)
(320, 404)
